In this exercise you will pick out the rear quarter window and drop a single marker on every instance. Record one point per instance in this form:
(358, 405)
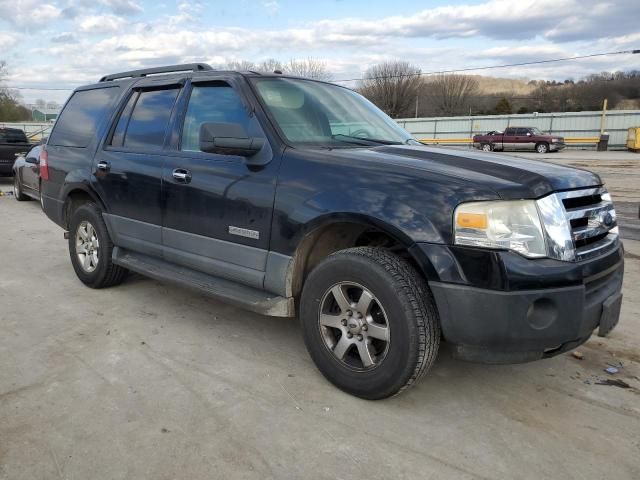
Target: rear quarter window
(79, 121)
(12, 136)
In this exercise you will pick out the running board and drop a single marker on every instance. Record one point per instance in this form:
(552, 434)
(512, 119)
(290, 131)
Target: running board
(221, 289)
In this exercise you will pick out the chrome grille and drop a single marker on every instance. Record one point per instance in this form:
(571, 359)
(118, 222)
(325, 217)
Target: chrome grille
(592, 219)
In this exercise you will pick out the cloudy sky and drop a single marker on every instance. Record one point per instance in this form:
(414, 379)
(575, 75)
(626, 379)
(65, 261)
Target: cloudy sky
(65, 43)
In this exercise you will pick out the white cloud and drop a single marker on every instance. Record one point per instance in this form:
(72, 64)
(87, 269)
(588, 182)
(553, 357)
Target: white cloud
(7, 40)
(90, 38)
(271, 6)
(25, 13)
(122, 7)
(560, 20)
(100, 24)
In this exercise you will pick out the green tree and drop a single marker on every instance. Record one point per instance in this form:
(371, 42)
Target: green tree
(503, 107)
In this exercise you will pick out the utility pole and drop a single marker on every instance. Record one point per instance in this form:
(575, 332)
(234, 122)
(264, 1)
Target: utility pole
(417, 97)
(603, 118)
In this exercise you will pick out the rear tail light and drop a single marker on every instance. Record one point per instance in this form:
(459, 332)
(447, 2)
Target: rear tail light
(44, 165)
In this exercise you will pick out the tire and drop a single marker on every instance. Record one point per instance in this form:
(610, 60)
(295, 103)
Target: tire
(17, 189)
(542, 147)
(100, 271)
(486, 147)
(400, 299)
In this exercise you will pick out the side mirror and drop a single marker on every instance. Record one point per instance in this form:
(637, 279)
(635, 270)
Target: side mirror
(33, 160)
(228, 139)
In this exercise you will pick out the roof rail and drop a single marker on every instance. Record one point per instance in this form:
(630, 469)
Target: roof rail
(185, 67)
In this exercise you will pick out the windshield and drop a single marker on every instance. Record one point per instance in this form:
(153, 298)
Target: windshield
(320, 114)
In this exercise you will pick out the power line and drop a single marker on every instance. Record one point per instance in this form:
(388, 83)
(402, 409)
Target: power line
(506, 65)
(435, 72)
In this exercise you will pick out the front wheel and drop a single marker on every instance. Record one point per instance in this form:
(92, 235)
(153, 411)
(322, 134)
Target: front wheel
(542, 147)
(90, 248)
(369, 322)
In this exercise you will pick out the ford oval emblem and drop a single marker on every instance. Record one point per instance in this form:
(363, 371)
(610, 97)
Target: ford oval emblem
(606, 219)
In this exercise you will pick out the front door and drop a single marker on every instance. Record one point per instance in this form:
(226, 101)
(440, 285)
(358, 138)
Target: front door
(218, 208)
(31, 171)
(523, 139)
(509, 139)
(128, 170)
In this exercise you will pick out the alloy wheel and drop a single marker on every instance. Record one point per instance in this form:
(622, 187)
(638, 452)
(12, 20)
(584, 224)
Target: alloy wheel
(87, 246)
(354, 326)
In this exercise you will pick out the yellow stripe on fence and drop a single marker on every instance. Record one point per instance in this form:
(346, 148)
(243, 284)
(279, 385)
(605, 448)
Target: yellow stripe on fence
(463, 141)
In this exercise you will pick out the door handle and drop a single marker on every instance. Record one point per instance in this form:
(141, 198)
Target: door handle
(104, 166)
(181, 175)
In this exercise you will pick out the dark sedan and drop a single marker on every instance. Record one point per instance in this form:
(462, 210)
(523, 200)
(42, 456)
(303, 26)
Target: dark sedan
(26, 175)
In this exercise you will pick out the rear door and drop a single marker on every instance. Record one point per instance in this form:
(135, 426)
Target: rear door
(218, 219)
(128, 170)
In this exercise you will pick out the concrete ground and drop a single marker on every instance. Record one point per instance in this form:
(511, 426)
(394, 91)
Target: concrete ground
(147, 380)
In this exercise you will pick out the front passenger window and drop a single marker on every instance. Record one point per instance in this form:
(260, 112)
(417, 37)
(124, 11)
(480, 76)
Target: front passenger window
(217, 103)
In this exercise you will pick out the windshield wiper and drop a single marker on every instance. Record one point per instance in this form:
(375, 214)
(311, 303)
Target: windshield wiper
(364, 141)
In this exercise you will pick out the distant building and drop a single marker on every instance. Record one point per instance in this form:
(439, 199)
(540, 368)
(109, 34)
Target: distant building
(44, 114)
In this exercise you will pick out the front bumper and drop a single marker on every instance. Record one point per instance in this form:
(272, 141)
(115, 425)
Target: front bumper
(556, 146)
(498, 307)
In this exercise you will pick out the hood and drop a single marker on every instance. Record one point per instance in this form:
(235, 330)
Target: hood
(511, 177)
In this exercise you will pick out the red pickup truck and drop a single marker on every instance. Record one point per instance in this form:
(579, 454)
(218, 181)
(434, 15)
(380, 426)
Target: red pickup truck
(519, 138)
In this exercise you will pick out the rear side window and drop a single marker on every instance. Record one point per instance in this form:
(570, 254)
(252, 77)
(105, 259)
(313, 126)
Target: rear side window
(143, 122)
(12, 136)
(81, 116)
(510, 132)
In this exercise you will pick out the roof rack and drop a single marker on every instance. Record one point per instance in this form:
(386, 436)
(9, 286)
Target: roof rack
(186, 67)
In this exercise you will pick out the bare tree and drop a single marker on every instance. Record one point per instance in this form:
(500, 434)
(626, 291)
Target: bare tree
(11, 110)
(393, 86)
(270, 65)
(309, 68)
(450, 94)
(240, 66)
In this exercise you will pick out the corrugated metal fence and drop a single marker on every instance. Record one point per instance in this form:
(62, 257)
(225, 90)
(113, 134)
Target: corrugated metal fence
(581, 128)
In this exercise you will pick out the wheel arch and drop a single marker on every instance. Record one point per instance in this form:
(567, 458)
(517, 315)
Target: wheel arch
(335, 232)
(75, 195)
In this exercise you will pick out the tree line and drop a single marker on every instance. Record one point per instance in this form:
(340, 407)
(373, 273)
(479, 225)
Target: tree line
(400, 90)
(11, 110)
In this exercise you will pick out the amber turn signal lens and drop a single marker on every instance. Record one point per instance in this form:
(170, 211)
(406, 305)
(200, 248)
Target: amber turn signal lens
(472, 220)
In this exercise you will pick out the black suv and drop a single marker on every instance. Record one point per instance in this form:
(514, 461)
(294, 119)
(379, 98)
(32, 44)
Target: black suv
(285, 195)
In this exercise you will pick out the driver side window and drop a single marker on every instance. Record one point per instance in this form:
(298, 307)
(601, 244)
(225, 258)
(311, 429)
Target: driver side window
(213, 102)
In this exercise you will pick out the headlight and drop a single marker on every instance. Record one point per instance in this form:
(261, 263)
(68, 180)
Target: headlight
(554, 140)
(513, 225)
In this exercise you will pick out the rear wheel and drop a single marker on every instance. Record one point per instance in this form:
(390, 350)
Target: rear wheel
(542, 147)
(487, 147)
(369, 322)
(90, 248)
(17, 189)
